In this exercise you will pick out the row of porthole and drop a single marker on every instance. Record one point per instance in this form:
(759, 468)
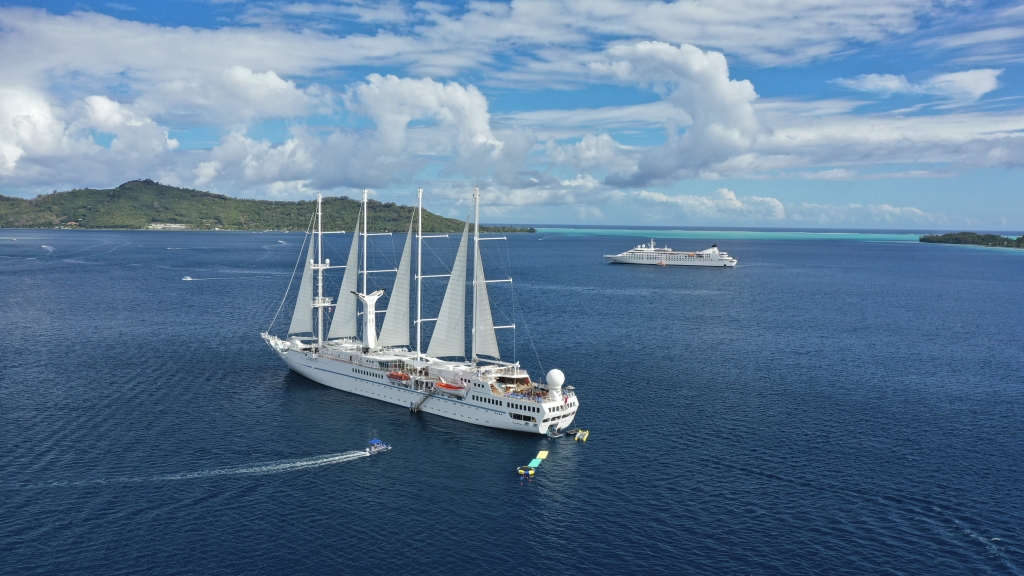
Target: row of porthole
(565, 406)
(523, 407)
(365, 373)
(487, 400)
(522, 417)
(559, 417)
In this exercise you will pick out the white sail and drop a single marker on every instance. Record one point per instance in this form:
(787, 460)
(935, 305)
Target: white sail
(302, 317)
(395, 331)
(343, 324)
(438, 384)
(486, 343)
(449, 337)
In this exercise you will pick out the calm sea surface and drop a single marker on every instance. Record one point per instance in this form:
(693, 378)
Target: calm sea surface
(836, 404)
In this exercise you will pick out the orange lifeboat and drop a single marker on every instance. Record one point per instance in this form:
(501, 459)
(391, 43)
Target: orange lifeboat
(399, 377)
(451, 387)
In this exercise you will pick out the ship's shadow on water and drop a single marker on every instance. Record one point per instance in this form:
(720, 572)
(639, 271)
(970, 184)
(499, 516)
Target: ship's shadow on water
(832, 406)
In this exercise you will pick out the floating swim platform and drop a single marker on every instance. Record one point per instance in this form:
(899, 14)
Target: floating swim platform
(531, 468)
(582, 435)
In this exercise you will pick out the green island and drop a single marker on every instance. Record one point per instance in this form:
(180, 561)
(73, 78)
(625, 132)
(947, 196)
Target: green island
(145, 204)
(974, 239)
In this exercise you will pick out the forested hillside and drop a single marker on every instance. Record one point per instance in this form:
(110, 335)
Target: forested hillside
(140, 203)
(975, 239)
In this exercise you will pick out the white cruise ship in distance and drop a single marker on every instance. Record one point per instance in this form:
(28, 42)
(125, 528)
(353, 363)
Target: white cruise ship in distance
(350, 354)
(665, 256)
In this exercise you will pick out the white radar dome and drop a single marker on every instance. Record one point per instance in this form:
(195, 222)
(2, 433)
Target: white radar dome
(555, 379)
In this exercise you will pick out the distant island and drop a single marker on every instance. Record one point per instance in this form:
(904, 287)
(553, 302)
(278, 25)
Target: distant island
(975, 239)
(145, 204)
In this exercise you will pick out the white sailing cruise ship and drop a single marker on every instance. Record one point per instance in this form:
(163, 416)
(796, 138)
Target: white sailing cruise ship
(665, 256)
(353, 356)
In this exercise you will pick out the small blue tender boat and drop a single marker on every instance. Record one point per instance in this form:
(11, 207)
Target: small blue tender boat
(376, 447)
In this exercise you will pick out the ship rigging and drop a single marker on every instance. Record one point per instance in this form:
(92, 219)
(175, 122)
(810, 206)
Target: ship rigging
(478, 388)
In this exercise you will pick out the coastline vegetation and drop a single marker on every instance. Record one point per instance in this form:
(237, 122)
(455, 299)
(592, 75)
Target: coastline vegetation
(974, 239)
(141, 204)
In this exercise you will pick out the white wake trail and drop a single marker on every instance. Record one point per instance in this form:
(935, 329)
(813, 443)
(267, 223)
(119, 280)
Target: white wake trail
(267, 467)
(258, 469)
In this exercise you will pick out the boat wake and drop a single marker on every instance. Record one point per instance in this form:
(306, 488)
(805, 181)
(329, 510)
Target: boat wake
(258, 469)
(268, 467)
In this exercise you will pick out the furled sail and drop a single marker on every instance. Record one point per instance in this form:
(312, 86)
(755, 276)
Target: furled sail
(486, 343)
(302, 317)
(395, 331)
(449, 336)
(343, 324)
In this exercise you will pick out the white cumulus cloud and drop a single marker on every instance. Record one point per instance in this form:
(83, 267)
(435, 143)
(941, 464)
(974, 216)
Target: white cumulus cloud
(720, 109)
(721, 203)
(881, 214)
(724, 205)
(134, 134)
(28, 125)
(460, 111)
(593, 150)
(967, 86)
(234, 95)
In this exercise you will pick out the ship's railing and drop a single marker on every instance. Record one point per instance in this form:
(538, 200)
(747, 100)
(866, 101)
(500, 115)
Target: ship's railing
(539, 397)
(543, 396)
(420, 373)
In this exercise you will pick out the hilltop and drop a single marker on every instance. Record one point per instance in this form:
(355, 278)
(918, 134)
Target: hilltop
(141, 203)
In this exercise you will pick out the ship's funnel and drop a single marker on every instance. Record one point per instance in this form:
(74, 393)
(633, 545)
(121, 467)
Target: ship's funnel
(555, 379)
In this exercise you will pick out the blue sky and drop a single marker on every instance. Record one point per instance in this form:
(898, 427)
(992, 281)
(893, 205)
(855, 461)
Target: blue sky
(810, 113)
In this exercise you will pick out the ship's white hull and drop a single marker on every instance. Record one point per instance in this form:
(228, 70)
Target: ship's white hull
(381, 364)
(670, 261)
(357, 379)
(652, 255)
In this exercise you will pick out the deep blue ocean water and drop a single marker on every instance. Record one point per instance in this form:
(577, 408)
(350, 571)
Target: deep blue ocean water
(833, 405)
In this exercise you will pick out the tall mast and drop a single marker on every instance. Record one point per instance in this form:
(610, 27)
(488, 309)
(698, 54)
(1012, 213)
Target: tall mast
(320, 270)
(476, 257)
(419, 267)
(366, 247)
